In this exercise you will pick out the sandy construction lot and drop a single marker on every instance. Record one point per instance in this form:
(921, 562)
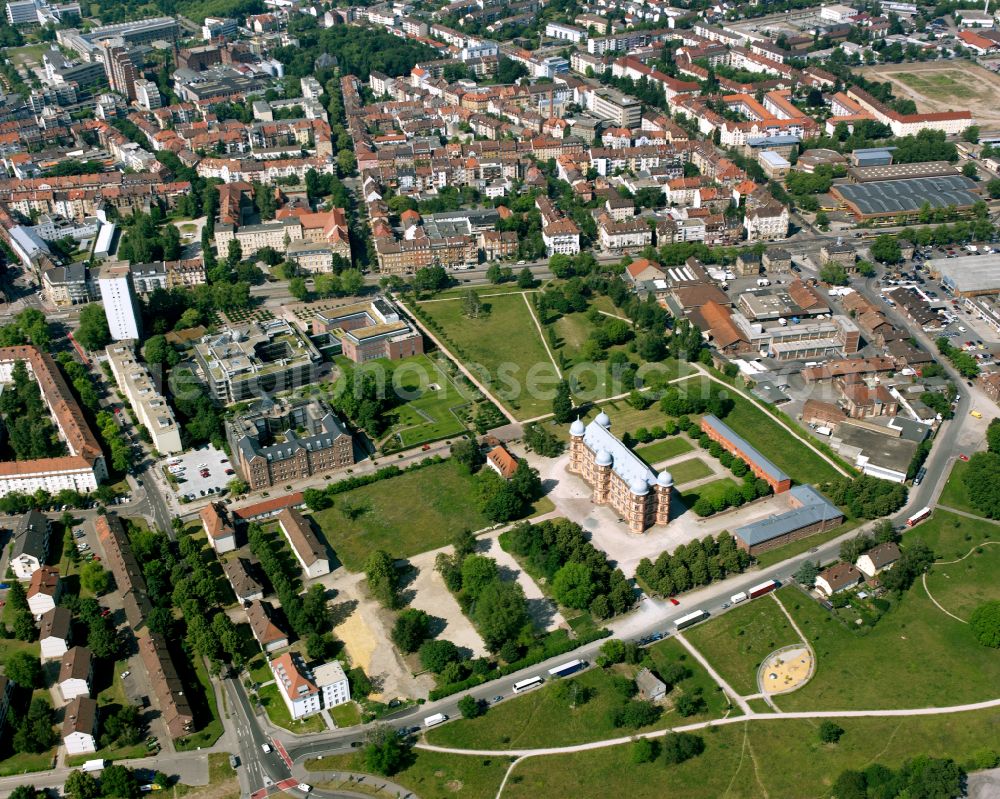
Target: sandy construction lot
(944, 86)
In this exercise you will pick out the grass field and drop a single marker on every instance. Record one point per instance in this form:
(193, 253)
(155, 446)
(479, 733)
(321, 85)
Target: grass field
(714, 489)
(346, 715)
(277, 712)
(503, 346)
(429, 414)
(430, 775)
(737, 642)
(785, 450)
(404, 515)
(953, 84)
(938, 85)
(951, 535)
(664, 449)
(212, 730)
(544, 718)
(915, 656)
(29, 52)
(756, 760)
(962, 587)
(955, 495)
(688, 470)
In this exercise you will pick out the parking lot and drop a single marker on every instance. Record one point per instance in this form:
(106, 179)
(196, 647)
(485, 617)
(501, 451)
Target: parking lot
(200, 472)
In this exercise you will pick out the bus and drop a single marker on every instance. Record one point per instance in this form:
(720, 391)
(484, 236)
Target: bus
(691, 618)
(567, 668)
(528, 684)
(918, 517)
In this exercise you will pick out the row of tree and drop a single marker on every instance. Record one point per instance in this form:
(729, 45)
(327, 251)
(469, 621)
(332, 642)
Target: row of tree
(693, 564)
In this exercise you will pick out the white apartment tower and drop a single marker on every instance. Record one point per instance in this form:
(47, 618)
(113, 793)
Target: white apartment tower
(120, 304)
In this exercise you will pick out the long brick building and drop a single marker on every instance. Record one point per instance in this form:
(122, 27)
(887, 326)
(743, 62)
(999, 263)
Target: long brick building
(618, 476)
(739, 447)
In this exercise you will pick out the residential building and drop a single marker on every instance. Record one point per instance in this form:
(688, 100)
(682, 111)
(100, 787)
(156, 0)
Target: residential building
(147, 95)
(618, 476)
(44, 591)
(218, 527)
(268, 634)
(120, 558)
(309, 550)
(766, 222)
(121, 306)
(67, 285)
(54, 633)
(739, 447)
(255, 360)
(76, 671)
(837, 578)
(878, 559)
(306, 693)
(79, 729)
(502, 462)
(370, 330)
(121, 70)
(167, 685)
(150, 406)
(245, 586)
(31, 544)
(274, 442)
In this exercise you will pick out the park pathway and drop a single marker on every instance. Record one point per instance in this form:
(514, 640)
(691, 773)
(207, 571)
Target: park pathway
(731, 692)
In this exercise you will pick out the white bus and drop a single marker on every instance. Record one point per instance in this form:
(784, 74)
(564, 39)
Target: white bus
(918, 517)
(437, 718)
(567, 668)
(691, 618)
(528, 684)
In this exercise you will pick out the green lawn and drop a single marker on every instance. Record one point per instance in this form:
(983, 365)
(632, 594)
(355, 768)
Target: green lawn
(664, 449)
(688, 470)
(544, 717)
(951, 535)
(955, 495)
(112, 753)
(428, 414)
(915, 656)
(711, 490)
(786, 451)
(430, 775)
(277, 712)
(403, 515)
(755, 760)
(21, 764)
(346, 715)
(259, 669)
(962, 587)
(503, 346)
(737, 641)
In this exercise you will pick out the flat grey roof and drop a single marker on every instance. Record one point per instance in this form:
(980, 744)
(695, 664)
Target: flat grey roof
(900, 196)
(968, 272)
(815, 508)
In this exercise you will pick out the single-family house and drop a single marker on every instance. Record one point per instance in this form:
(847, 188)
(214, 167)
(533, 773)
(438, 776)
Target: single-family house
(878, 559)
(76, 671)
(837, 578)
(44, 591)
(79, 728)
(55, 633)
(268, 634)
(650, 686)
(218, 526)
(31, 544)
(308, 549)
(502, 462)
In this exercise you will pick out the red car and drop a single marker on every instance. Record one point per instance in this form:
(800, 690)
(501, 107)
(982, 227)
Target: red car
(674, 601)
(963, 457)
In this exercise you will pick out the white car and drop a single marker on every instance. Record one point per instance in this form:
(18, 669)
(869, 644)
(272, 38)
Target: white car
(304, 787)
(125, 674)
(266, 748)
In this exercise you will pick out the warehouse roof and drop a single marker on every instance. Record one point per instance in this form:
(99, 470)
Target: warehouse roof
(900, 196)
(813, 508)
(970, 273)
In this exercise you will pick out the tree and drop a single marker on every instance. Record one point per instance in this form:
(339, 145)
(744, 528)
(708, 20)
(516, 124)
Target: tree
(234, 254)
(435, 655)
(119, 781)
(993, 436)
(93, 333)
(500, 613)
(525, 279)
(298, 289)
(24, 670)
(681, 746)
(464, 542)
(971, 134)
(562, 404)
(834, 274)
(969, 170)
(24, 792)
(472, 306)
(351, 281)
(478, 571)
(984, 623)
(384, 752)
(17, 597)
(470, 707)
(80, 785)
(383, 580)
(411, 629)
(35, 733)
(822, 219)
(573, 586)
(635, 713)
(95, 578)
(993, 187)
(466, 452)
(643, 751)
(806, 575)
(829, 732)
(885, 249)
(982, 482)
